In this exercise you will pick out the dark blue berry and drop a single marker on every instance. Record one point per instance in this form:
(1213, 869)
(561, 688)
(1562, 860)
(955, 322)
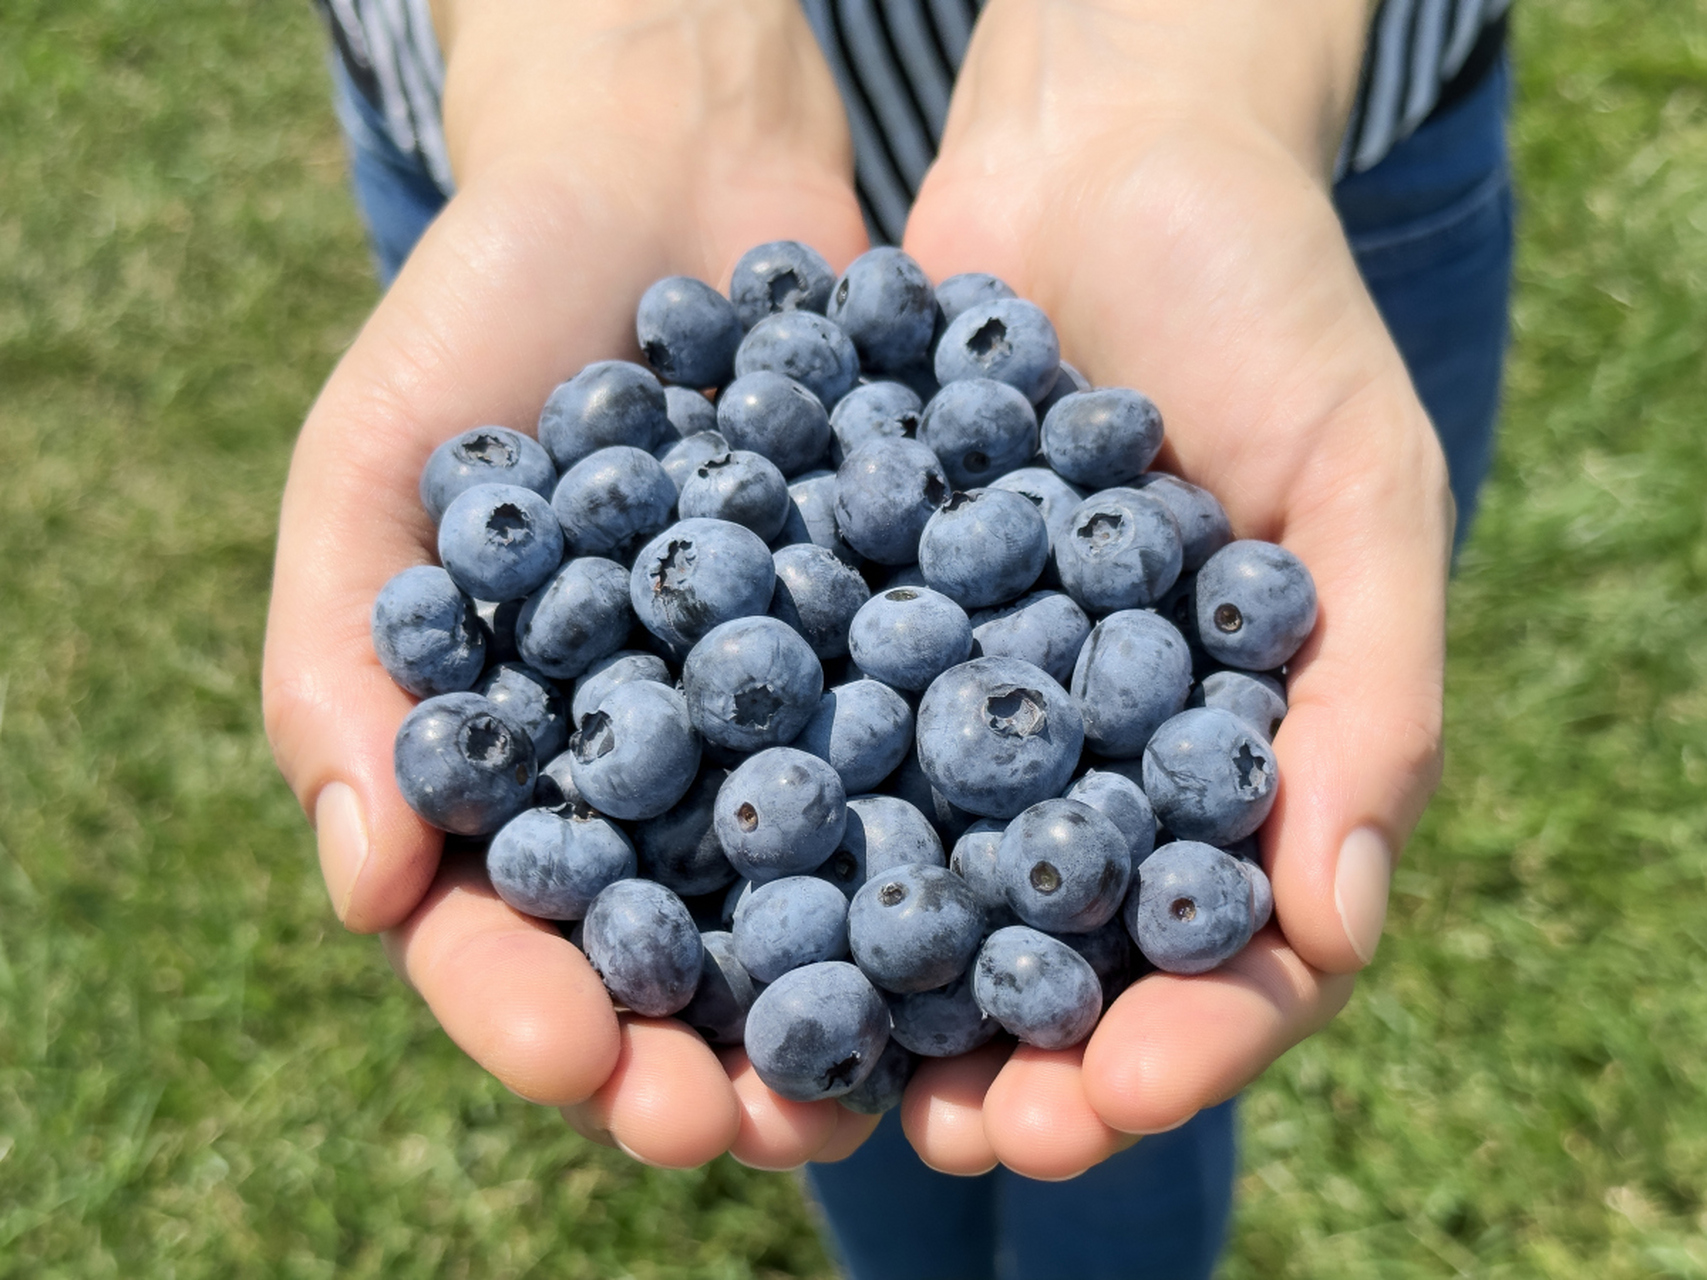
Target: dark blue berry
(427, 634)
(688, 331)
(642, 941)
(485, 455)
(462, 766)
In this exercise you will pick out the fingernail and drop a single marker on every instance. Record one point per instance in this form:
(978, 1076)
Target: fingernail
(1360, 889)
(342, 832)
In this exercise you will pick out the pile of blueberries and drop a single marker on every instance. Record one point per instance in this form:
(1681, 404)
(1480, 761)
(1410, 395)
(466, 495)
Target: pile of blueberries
(859, 571)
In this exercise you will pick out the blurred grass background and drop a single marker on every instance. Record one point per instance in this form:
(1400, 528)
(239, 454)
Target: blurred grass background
(201, 1075)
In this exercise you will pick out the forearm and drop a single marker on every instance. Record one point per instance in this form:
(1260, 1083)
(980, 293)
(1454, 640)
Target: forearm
(655, 92)
(1084, 70)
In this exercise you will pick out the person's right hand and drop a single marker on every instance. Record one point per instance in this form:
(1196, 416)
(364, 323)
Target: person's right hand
(619, 142)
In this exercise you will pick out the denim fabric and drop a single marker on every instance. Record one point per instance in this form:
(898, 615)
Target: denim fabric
(1431, 228)
(1157, 1211)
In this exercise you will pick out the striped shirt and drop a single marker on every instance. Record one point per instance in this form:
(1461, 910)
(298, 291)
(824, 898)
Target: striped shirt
(895, 62)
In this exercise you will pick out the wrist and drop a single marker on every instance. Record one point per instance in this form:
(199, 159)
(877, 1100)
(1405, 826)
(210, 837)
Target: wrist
(1118, 74)
(652, 94)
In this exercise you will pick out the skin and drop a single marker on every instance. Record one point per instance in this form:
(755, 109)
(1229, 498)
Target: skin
(1169, 153)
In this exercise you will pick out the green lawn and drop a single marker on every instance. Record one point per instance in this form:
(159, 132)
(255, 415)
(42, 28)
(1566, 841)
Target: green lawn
(201, 1075)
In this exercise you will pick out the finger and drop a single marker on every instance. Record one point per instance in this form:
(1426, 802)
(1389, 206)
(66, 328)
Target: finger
(509, 990)
(776, 1133)
(580, 1119)
(1038, 1120)
(1170, 1046)
(852, 1129)
(668, 1102)
(942, 1112)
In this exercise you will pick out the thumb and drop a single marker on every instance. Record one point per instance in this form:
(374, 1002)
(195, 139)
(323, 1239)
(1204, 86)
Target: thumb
(1359, 751)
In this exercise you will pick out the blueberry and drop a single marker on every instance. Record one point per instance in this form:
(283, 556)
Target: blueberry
(788, 923)
(941, 1023)
(1067, 381)
(885, 492)
(996, 735)
(498, 620)
(685, 455)
(1121, 550)
(698, 574)
(863, 729)
(752, 683)
(612, 500)
(1122, 801)
(1210, 776)
(884, 1087)
(605, 674)
(805, 347)
(690, 413)
(1262, 893)
(984, 547)
(689, 332)
(817, 1031)
(578, 617)
(1063, 867)
(500, 541)
(1105, 437)
(608, 403)
(641, 940)
(553, 864)
(732, 899)
(718, 1010)
(1192, 908)
(969, 289)
(636, 754)
(909, 783)
(554, 788)
(1133, 673)
(1108, 951)
(1256, 604)
(1037, 987)
(974, 861)
(781, 813)
(914, 927)
(679, 847)
(739, 486)
(779, 277)
(532, 703)
(427, 634)
(813, 519)
(886, 305)
(875, 409)
(980, 429)
(908, 575)
(1203, 524)
(774, 415)
(817, 594)
(883, 833)
(1044, 628)
(1258, 700)
(462, 766)
(1009, 339)
(1052, 495)
(485, 455)
(908, 636)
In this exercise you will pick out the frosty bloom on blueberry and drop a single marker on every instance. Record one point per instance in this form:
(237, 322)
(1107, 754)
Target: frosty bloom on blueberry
(721, 670)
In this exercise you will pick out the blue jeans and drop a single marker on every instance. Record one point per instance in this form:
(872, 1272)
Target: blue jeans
(1431, 228)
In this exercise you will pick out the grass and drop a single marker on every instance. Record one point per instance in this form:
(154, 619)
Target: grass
(200, 1075)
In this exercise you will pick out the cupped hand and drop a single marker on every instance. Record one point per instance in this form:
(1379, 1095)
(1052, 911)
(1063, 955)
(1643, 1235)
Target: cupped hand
(687, 139)
(1189, 251)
